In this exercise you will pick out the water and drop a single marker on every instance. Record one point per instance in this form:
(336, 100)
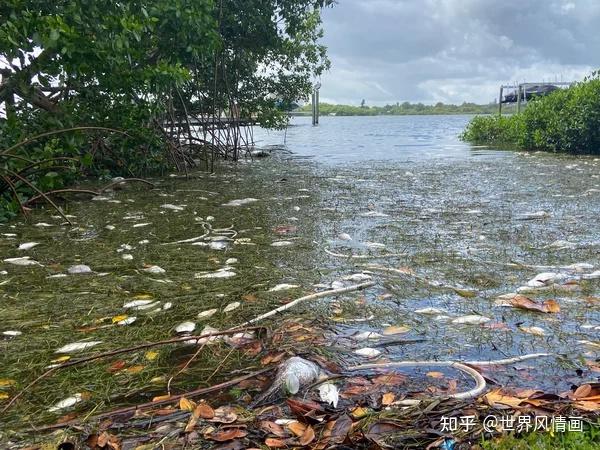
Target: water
(340, 140)
(447, 213)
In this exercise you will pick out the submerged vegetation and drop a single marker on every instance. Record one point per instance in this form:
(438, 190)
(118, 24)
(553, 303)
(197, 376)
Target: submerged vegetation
(142, 68)
(568, 120)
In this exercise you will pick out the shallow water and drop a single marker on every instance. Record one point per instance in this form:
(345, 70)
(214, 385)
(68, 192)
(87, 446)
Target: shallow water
(450, 209)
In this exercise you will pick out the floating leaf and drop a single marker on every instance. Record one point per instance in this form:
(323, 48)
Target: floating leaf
(186, 405)
(435, 374)
(497, 396)
(520, 301)
(388, 398)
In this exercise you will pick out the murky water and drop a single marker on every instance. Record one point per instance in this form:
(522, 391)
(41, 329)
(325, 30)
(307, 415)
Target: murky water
(404, 186)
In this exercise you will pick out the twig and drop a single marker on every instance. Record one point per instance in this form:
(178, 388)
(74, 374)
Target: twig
(287, 306)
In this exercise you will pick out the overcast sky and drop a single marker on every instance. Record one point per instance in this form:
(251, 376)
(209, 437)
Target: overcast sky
(389, 51)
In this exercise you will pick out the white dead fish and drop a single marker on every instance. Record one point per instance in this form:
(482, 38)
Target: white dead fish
(172, 207)
(368, 352)
(167, 305)
(127, 257)
(144, 242)
(79, 269)
(154, 269)
(152, 304)
(366, 335)
(542, 279)
(231, 307)
(127, 321)
(185, 327)
(218, 274)
(140, 225)
(28, 245)
(240, 202)
(210, 218)
(42, 225)
(534, 216)
(207, 313)
(374, 245)
(282, 244)
(23, 261)
(431, 311)
(12, 333)
(473, 319)
(77, 346)
(344, 237)
(292, 375)
(58, 275)
(231, 261)
(357, 277)
(591, 276)
(283, 287)
(124, 247)
(329, 393)
(109, 227)
(218, 245)
(3, 272)
(137, 303)
(579, 267)
(66, 403)
(337, 285)
(374, 214)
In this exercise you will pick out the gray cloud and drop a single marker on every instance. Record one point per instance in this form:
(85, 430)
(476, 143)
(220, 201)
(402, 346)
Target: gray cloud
(454, 50)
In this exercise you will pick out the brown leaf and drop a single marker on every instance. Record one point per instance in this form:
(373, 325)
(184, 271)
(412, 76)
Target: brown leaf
(108, 441)
(116, 366)
(272, 357)
(389, 379)
(227, 434)
(340, 430)
(520, 301)
(379, 431)
(388, 398)
(582, 391)
(297, 428)
(301, 408)
(275, 443)
(224, 414)
(250, 298)
(271, 427)
(202, 411)
(435, 374)
(497, 396)
(308, 436)
(186, 405)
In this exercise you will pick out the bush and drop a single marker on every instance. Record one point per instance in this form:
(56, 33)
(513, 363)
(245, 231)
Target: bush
(565, 121)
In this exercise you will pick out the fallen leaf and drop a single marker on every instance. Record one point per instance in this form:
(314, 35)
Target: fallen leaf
(3, 395)
(379, 431)
(272, 358)
(497, 396)
(6, 382)
(520, 301)
(160, 398)
(275, 443)
(465, 293)
(151, 355)
(186, 405)
(116, 366)
(224, 414)
(435, 374)
(340, 429)
(582, 391)
(119, 318)
(227, 434)
(359, 412)
(297, 428)
(308, 436)
(389, 379)
(272, 428)
(134, 369)
(388, 398)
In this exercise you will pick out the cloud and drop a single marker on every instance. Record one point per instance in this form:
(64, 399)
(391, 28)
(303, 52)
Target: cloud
(388, 51)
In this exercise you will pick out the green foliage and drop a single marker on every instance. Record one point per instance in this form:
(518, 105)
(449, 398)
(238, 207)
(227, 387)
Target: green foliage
(123, 65)
(565, 121)
(586, 440)
(401, 109)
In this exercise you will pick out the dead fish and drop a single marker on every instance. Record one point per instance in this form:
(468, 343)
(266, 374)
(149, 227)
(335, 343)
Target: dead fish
(367, 352)
(472, 319)
(240, 202)
(185, 327)
(283, 287)
(154, 270)
(79, 269)
(207, 313)
(281, 244)
(23, 261)
(344, 237)
(77, 346)
(28, 245)
(293, 374)
(534, 216)
(230, 307)
(66, 403)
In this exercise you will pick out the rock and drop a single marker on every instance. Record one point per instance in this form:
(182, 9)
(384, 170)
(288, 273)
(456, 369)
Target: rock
(79, 269)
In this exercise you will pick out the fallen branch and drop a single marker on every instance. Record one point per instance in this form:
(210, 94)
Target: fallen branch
(479, 380)
(356, 287)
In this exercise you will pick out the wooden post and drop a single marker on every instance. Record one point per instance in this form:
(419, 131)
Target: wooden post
(500, 100)
(518, 98)
(317, 105)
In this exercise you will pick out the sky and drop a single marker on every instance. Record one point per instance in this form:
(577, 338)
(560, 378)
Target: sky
(388, 51)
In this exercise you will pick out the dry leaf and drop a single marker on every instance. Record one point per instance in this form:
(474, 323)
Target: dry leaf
(5, 382)
(160, 398)
(297, 428)
(119, 318)
(520, 301)
(224, 414)
(359, 412)
(273, 428)
(388, 398)
(308, 436)
(435, 374)
(389, 331)
(340, 429)
(186, 405)
(151, 355)
(227, 434)
(116, 366)
(275, 443)
(582, 391)
(134, 369)
(496, 396)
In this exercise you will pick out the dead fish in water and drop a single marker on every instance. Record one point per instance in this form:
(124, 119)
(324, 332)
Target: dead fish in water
(293, 374)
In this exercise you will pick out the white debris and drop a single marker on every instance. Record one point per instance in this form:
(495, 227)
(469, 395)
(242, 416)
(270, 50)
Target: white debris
(344, 237)
(230, 307)
(430, 311)
(221, 273)
(66, 403)
(172, 207)
(243, 201)
(124, 248)
(231, 261)
(374, 245)
(473, 319)
(12, 333)
(109, 227)
(140, 225)
(167, 305)
(137, 303)
(366, 335)
(207, 313)
(591, 276)
(127, 257)
(329, 393)
(283, 287)
(374, 214)
(534, 216)
(368, 352)
(23, 261)
(542, 279)
(28, 245)
(127, 321)
(281, 244)
(357, 277)
(3, 272)
(185, 327)
(77, 346)
(42, 225)
(154, 270)
(79, 269)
